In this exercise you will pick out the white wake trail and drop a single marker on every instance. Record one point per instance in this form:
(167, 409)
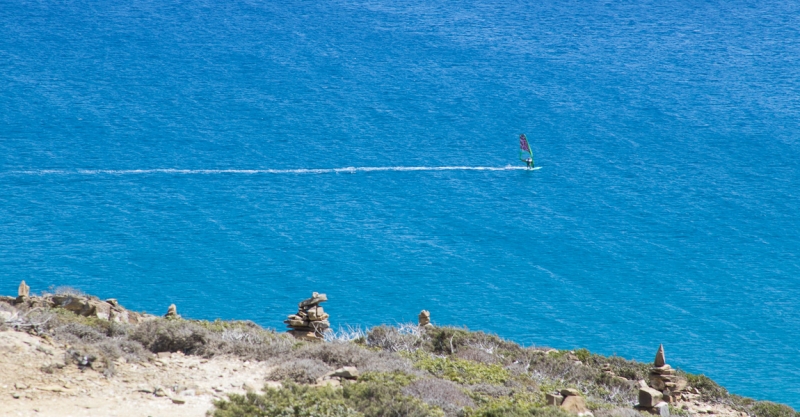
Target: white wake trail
(173, 171)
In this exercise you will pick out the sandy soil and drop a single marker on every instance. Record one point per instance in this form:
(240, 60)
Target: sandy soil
(173, 385)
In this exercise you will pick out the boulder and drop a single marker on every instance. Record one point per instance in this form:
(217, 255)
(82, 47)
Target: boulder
(657, 383)
(574, 404)
(660, 360)
(661, 409)
(649, 397)
(347, 372)
(83, 306)
(554, 399)
(568, 392)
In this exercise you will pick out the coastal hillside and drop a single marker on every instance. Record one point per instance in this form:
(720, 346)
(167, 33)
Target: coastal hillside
(68, 353)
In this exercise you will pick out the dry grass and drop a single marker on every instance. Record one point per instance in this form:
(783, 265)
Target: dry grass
(301, 371)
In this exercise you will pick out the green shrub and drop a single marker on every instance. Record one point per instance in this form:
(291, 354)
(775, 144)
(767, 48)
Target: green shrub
(381, 395)
(374, 395)
(520, 404)
(291, 401)
(582, 354)
(770, 409)
(460, 370)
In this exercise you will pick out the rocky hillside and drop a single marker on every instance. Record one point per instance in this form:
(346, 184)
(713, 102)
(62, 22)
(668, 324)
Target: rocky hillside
(67, 353)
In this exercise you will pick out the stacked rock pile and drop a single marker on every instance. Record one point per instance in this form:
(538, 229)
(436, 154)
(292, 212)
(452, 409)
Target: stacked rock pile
(425, 318)
(311, 321)
(23, 292)
(663, 386)
(172, 312)
(569, 400)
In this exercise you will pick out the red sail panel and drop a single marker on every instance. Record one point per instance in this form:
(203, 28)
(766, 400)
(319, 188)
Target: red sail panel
(523, 143)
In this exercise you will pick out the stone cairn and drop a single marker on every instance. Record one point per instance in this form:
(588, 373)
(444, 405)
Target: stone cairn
(569, 400)
(310, 322)
(172, 312)
(663, 386)
(425, 319)
(23, 292)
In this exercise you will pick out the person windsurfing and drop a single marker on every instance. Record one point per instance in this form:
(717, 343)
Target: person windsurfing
(525, 152)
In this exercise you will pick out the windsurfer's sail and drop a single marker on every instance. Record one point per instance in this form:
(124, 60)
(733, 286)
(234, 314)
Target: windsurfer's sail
(525, 152)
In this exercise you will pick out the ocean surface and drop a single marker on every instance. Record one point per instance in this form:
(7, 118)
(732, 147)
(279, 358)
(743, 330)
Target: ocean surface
(218, 154)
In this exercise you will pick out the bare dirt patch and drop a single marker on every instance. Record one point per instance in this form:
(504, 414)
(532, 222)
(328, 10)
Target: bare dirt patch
(35, 380)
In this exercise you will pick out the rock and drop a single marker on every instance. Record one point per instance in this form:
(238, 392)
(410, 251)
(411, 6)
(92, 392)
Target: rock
(329, 383)
(315, 299)
(680, 384)
(113, 302)
(568, 392)
(661, 409)
(304, 334)
(641, 384)
(649, 397)
(660, 359)
(178, 400)
(247, 387)
(657, 383)
(554, 399)
(172, 312)
(424, 318)
(20, 386)
(164, 354)
(574, 404)
(663, 370)
(15, 395)
(159, 392)
(347, 372)
(297, 323)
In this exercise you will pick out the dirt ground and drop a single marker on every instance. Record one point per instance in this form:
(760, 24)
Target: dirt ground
(34, 381)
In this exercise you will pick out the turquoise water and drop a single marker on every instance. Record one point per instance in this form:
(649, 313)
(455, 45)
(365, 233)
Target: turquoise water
(181, 152)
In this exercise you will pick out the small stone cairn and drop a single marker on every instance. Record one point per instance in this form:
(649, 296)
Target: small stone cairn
(310, 322)
(569, 400)
(663, 386)
(425, 319)
(172, 312)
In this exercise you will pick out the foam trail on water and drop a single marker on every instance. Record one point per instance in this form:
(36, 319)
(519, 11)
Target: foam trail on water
(172, 171)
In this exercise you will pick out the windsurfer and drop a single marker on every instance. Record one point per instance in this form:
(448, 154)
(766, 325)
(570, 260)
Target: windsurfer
(529, 162)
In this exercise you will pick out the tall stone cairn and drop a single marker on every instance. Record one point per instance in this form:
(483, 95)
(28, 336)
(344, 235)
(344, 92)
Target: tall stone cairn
(663, 385)
(23, 291)
(310, 322)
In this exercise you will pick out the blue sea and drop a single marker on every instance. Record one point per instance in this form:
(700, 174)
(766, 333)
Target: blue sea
(215, 155)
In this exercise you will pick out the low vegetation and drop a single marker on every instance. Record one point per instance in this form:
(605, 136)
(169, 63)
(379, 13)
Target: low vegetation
(405, 370)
